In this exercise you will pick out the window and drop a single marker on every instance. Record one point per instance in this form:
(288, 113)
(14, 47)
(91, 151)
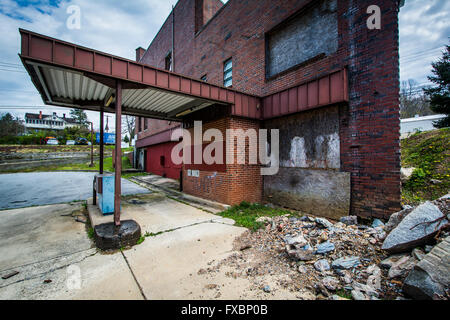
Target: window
(145, 124)
(203, 78)
(228, 73)
(168, 61)
(162, 161)
(138, 124)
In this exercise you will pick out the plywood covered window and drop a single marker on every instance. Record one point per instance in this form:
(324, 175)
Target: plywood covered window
(310, 34)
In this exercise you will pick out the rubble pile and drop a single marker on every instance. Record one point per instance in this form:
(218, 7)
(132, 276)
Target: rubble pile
(345, 260)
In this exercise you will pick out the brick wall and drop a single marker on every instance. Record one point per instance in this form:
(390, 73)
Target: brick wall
(236, 183)
(369, 124)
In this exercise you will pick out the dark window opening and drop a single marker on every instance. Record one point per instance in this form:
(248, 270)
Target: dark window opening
(203, 78)
(145, 123)
(162, 161)
(168, 62)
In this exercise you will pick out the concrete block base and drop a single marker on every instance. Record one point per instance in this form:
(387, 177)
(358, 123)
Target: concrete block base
(107, 236)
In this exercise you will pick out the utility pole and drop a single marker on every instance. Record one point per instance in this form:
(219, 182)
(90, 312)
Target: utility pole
(106, 128)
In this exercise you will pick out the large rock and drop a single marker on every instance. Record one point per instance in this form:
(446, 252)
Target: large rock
(431, 275)
(405, 173)
(396, 218)
(415, 229)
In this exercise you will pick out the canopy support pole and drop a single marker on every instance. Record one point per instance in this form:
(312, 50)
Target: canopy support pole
(118, 153)
(101, 141)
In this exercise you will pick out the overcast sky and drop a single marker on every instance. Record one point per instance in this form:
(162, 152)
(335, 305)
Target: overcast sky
(118, 27)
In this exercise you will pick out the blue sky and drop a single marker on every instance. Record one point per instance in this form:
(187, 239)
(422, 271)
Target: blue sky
(118, 27)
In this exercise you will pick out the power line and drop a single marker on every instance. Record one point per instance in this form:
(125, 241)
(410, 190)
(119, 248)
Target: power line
(12, 64)
(18, 71)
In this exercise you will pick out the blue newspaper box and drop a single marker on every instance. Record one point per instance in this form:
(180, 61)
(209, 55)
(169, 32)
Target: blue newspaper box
(104, 185)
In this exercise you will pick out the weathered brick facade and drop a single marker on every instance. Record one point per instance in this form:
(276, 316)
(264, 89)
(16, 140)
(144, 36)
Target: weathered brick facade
(368, 123)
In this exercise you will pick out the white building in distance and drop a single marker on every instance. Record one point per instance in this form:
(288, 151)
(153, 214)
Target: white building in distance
(39, 121)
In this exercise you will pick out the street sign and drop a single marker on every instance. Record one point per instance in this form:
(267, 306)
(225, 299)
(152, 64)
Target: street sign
(108, 138)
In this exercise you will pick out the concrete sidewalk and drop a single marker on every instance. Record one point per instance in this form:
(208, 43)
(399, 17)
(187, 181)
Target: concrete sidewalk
(46, 243)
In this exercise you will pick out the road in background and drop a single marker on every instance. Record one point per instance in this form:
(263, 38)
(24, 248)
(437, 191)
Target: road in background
(18, 190)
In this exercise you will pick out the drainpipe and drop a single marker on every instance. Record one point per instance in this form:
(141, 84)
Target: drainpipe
(173, 40)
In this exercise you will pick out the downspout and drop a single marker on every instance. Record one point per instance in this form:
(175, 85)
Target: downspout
(173, 35)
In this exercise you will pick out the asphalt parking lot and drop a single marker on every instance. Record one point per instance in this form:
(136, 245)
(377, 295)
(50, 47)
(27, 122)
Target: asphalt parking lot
(18, 190)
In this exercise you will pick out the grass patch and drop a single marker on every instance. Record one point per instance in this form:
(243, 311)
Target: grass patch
(141, 239)
(245, 214)
(90, 233)
(429, 153)
(133, 174)
(107, 166)
(344, 294)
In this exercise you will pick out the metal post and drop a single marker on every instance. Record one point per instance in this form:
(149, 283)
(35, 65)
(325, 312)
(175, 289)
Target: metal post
(92, 145)
(118, 153)
(101, 142)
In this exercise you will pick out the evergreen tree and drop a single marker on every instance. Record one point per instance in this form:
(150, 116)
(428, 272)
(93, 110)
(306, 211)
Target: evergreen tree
(80, 116)
(10, 126)
(439, 96)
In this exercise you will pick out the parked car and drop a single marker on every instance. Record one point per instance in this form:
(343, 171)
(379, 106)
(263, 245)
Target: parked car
(53, 141)
(70, 142)
(81, 142)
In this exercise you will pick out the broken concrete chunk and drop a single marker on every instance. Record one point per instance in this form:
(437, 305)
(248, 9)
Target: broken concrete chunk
(349, 220)
(324, 222)
(405, 173)
(348, 262)
(388, 262)
(358, 295)
(322, 265)
(430, 276)
(9, 275)
(377, 223)
(401, 267)
(297, 242)
(331, 283)
(415, 229)
(264, 219)
(325, 247)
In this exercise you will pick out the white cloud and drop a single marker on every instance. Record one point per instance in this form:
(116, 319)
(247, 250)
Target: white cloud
(118, 27)
(115, 27)
(424, 31)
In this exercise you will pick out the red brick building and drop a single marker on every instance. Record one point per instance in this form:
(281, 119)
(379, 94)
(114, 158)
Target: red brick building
(319, 74)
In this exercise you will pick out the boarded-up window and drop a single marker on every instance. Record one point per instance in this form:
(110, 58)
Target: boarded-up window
(312, 33)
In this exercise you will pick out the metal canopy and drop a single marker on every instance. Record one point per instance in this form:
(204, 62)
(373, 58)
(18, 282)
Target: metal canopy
(77, 77)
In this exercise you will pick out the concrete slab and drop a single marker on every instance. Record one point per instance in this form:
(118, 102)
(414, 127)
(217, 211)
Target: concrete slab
(161, 181)
(155, 213)
(40, 233)
(166, 265)
(18, 190)
(82, 277)
(46, 246)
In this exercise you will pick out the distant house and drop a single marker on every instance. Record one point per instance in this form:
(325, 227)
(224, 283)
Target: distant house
(411, 125)
(39, 121)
